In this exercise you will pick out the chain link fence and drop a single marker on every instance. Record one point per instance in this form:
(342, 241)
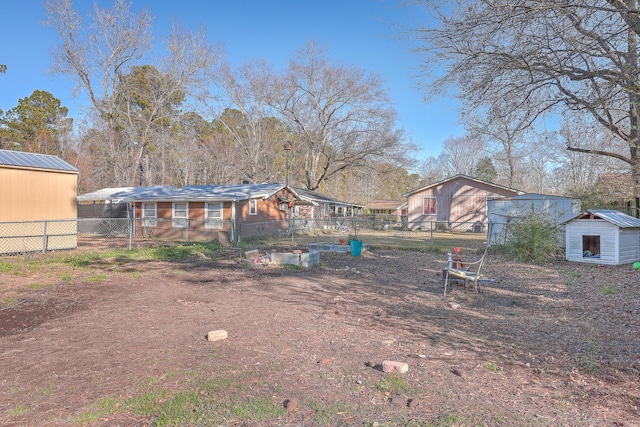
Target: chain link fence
(126, 233)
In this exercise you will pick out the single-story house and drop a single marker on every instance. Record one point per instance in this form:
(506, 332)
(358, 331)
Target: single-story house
(104, 203)
(557, 209)
(603, 236)
(313, 205)
(458, 203)
(242, 210)
(388, 208)
(38, 202)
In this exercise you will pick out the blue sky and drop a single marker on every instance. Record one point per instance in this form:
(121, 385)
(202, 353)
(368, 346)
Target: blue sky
(356, 32)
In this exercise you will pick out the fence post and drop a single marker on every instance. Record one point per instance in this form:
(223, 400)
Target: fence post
(188, 227)
(130, 220)
(431, 232)
(44, 238)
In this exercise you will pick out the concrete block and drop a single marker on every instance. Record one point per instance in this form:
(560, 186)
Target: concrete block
(217, 335)
(390, 366)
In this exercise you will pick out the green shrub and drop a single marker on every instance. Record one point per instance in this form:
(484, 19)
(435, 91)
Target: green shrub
(532, 238)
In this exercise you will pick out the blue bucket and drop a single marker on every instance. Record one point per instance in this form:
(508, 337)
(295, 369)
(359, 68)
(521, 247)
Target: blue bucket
(356, 247)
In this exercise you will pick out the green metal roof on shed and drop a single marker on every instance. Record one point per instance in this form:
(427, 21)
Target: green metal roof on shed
(34, 161)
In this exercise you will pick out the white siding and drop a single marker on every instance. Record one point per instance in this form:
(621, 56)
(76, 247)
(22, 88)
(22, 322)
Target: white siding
(592, 227)
(629, 245)
(617, 245)
(558, 210)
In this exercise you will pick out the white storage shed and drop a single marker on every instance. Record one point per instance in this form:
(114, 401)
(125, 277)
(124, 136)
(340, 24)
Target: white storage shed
(503, 210)
(603, 236)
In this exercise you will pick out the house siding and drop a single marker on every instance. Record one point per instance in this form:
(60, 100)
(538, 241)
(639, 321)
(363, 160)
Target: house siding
(458, 200)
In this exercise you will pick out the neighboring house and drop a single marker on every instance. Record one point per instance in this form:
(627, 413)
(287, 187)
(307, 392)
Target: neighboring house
(603, 236)
(317, 206)
(395, 208)
(557, 209)
(243, 210)
(617, 190)
(615, 186)
(40, 189)
(103, 203)
(453, 204)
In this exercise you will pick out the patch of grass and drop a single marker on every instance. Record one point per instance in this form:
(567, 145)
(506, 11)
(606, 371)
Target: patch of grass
(45, 391)
(19, 410)
(395, 383)
(36, 286)
(9, 300)
(573, 274)
(326, 415)
(451, 420)
(145, 404)
(108, 405)
(587, 358)
(491, 366)
(9, 268)
(180, 409)
(568, 282)
(257, 409)
(609, 290)
(86, 418)
(97, 278)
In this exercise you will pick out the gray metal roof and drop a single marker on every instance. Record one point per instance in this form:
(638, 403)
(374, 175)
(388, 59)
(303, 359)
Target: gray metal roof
(105, 194)
(616, 217)
(315, 197)
(188, 193)
(34, 160)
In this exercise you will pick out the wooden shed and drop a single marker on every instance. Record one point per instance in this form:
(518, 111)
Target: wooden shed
(37, 202)
(603, 236)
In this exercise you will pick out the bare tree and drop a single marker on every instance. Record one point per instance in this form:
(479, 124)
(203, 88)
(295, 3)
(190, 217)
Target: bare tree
(341, 116)
(249, 120)
(460, 155)
(577, 172)
(566, 55)
(98, 56)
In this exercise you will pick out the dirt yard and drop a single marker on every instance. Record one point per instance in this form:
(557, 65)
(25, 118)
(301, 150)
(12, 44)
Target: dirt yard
(539, 346)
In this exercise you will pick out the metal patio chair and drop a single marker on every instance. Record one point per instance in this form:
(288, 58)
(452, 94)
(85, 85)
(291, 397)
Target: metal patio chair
(459, 271)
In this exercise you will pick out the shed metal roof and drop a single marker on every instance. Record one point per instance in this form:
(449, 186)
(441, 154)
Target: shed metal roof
(618, 218)
(34, 160)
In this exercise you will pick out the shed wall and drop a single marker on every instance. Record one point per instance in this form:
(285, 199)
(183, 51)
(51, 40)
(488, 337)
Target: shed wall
(32, 194)
(629, 247)
(609, 240)
(556, 209)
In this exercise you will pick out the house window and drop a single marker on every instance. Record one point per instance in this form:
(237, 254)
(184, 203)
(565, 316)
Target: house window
(327, 209)
(149, 215)
(429, 206)
(590, 246)
(213, 215)
(253, 206)
(180, 215)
